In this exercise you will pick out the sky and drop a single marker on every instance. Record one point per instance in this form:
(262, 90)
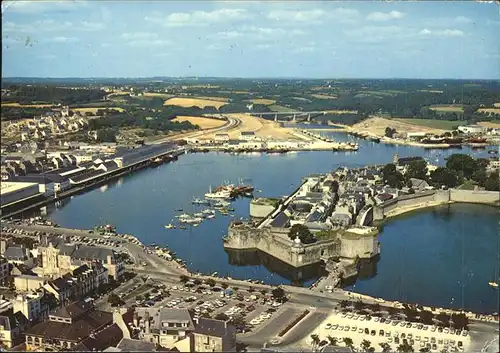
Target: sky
(306, 39)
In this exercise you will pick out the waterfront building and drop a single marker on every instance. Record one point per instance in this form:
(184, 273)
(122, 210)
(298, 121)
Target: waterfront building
(4, 270)
(221, 137)
(472, 129)
(214, 336)
(29, 283)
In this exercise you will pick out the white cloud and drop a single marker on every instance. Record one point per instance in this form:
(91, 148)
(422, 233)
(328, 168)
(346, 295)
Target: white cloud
(47, 56)
(296, 16)
(374, 34)
(38, 6)
(140, 39)
(229, 34)
(62, 39)
(199, 18)
(444, 33)
(304, 49)
(139, 35)
(51, 26)
(385, 16)
(314, 16)
(263, 46)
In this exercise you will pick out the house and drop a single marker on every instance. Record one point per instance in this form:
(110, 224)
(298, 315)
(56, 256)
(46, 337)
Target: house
(472, 129)
(102, 340)
(418, 184)
(18, 254)
(221, 137)
(61, 288)
(163, 326)
(247, 135)
(214, 336)
(12, 324)
(381, 198)
(68, 327)
(132, 345)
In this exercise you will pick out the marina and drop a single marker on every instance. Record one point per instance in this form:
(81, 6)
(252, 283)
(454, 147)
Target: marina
(192, 174)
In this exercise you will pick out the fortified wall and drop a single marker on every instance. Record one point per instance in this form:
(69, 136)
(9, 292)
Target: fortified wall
(275, 242)
(436, 196)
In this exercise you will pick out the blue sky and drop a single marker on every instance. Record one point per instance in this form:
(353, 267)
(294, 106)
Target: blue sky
(357, 39)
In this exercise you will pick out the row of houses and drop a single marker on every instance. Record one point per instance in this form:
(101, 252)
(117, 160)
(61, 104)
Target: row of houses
(79, 326)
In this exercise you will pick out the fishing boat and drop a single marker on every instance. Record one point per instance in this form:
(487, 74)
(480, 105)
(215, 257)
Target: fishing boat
(191, 220)
(199, 215)
(493, 284)
(208, 211)
(183, 216)
(221, 194)
(211, 216)
(170, 226)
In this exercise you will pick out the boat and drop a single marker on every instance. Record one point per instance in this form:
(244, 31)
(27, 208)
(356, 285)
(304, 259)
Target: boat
(492, 152)
(211, 216)
(182, 227)
(221, 194)
(199, 215)
(179, 210)
(170, 226)
(208, 211)
(197, 201)
(493, 284)
(191, 220)
(183, 216)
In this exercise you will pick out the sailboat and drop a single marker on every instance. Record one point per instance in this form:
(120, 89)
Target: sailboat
(170, 226)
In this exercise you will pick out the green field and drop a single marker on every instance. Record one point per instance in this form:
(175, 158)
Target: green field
(280, 108)
(434, 124)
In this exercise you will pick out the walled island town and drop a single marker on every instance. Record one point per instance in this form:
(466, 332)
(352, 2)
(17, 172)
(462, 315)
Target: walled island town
(226, 177)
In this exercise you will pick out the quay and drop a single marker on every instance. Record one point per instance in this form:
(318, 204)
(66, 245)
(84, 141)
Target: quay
(88, 176)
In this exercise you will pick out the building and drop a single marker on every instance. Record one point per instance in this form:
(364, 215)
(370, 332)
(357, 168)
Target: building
(221, 137)
(19, 255)
(68, 327)
(12, 324)
(29, 304)
(247, 135)
(59, 258)
(4, 270)
(163, 326)
(29, 283)
(214, 336)
(472, 129)
(11, 192)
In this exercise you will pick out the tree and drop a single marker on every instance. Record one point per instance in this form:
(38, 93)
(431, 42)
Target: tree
(443, 317)
(492, 183)
(444, 177)
(391, 176)
(348, 341)
(224, 285)
(263, 291)
(460, 321)
(358, 305)
(183, 278)
(210, 282)
(222, 317)
(462, 163)
(333, 340)
(417, 169)
(138, 297)
(425, 349)
(279, 294)
(480, 176)
(365, 345)
(197, 281)
(251, 290)
(426, 317)
(389, 132)
(239, 322)
(315, 340)
(405, 348)
(115, 300)
(301, 231)
(385, 347)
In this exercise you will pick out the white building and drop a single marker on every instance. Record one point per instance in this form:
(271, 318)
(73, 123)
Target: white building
(472, 129)
(29, 305)
(221, 137)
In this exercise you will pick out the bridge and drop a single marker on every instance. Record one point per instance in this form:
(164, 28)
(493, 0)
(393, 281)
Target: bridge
(291, 114)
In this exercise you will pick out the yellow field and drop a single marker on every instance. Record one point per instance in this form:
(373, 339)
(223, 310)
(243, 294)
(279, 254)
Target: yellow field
(217, 99)
(447, 108)
(323, 96)
(496, 105)
(489, 124)
(93, 110)
(262, 101)
(203, 123)
(376, 126)
(155, 94)
(489, 110)
(27, 105)
(193, 102)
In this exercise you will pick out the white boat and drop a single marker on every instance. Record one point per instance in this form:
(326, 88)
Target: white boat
(170, 226)
(183, 216)
(493, 284)
(208, 211)
(211, 216)
(198, 201)
(221, 194)
(199, 215)
(191, 220)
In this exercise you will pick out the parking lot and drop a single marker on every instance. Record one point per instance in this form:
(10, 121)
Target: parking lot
(393, 332)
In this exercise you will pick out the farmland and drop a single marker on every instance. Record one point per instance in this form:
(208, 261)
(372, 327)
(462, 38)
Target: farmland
(194, 102)
(280, 108)
(323, 96)
(203, 123)
(263, 101)
(433, 124)
(449, 108)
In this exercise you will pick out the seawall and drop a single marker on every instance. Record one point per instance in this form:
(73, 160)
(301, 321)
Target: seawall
(432, 198)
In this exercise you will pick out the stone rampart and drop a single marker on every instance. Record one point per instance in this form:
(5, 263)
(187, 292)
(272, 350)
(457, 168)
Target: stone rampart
(473, 196)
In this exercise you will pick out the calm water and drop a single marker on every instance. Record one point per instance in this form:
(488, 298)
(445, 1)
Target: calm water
(142, 203)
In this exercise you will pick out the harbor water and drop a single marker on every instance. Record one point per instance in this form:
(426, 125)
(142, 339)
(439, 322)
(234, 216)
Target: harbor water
(421, 253)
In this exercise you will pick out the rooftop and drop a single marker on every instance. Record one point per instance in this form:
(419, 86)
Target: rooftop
(9, 186)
